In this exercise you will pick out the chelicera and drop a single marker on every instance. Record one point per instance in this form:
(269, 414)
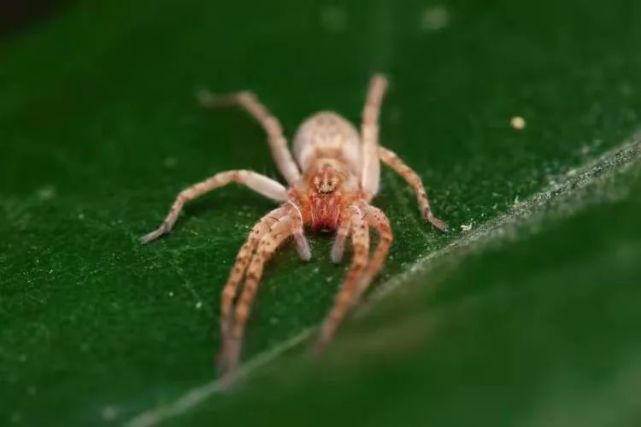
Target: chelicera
(332, 177)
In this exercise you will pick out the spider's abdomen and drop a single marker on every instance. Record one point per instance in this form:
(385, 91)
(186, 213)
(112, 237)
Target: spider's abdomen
(328, 135)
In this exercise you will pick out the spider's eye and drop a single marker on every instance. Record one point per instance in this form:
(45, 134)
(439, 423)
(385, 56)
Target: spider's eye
(328, 185)
(325, 184)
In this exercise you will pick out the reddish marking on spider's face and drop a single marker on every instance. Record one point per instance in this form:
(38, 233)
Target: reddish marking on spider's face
(325, 211)
(325, 199)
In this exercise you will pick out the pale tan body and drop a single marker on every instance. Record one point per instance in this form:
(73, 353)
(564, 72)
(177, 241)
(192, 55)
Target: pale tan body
(335, 176)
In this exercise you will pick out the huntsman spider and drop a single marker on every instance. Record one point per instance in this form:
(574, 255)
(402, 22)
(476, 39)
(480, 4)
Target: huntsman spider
(330, 188)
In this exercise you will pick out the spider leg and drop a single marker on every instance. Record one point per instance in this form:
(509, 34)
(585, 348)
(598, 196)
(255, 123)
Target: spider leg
(369, 133)
(230, 353)
(257, 182)
(302, 245)
(277, 141)
(376, 219)
(413, 180)
(338, 248)
(343, 300)
(243, 258)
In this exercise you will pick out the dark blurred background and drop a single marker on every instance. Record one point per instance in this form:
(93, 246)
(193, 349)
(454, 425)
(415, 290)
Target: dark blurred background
(18, 16)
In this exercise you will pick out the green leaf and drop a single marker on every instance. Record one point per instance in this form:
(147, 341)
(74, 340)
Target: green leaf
(526, 314)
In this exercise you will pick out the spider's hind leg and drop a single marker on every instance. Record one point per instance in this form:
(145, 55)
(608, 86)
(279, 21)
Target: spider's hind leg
(369, 133)
(277, 141)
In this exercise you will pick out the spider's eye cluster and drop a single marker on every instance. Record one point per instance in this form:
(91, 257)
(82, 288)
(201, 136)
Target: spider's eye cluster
(325, 183)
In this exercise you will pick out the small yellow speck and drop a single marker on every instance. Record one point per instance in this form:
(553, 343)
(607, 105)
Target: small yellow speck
(517, 122)
(466, 227)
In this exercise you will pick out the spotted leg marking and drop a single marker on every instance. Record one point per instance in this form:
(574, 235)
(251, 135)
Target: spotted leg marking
(243, 258)
(376, 219)
(413, 180)
(342, 302)
(232, 341)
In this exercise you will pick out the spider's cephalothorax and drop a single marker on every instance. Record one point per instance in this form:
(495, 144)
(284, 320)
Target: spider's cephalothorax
(323, 198)
(330, 186)
(327, 148)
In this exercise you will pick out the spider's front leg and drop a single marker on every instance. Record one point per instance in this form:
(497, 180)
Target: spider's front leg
(344, 298)
(257, 182)
(243, 258)
(263, 227)
(376, 219)
(232, 338)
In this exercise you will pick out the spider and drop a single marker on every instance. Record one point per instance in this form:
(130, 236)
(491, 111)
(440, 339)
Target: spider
(330, 188)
